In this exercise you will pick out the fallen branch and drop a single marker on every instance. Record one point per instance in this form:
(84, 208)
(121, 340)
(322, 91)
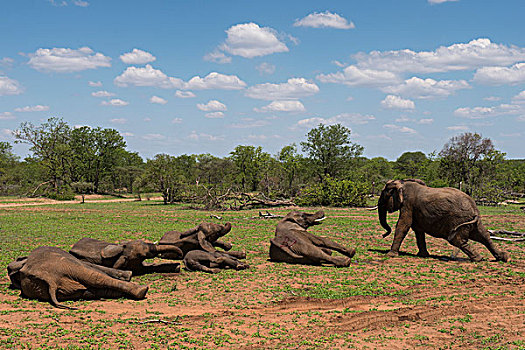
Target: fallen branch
(268, 215)
(158, 320)
(216, 217)
(507, 239)
(504, 232)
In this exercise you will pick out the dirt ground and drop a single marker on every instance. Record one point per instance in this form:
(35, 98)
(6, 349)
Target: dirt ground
(432, 303)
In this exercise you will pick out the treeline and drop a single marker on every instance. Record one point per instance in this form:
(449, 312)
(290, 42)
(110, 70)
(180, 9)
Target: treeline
(326, 169)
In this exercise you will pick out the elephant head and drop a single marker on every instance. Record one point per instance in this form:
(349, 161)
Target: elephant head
(391, 200)
(211, 231)
(305, 220)
(135, 252)
(13, 271)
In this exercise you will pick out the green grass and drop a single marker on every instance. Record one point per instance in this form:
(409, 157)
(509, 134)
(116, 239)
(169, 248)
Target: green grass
(387, 283)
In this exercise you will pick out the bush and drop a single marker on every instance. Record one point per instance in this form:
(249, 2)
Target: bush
(65, 196)
(336, 193)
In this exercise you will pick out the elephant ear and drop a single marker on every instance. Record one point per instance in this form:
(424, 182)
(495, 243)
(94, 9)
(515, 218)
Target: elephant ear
(203, 242)
(398, 196)
(111, 251)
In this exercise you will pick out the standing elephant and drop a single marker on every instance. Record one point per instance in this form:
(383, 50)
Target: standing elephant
(202, 237)
(51, 274)
(293, 244)
(441, 212)
(126, 256)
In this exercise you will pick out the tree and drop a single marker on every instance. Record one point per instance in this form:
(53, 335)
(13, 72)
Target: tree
(249, 162)
(409, 164)
(50, 146)
(330, 149)
(468, 159)
(290, 162)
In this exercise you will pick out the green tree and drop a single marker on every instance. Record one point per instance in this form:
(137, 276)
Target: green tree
(250, 165)
(468, 159)
(50, 146)
(410, 164)
(330, 149)
(290, 163)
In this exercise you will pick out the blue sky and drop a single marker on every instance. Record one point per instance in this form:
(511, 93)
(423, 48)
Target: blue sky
(188, 77)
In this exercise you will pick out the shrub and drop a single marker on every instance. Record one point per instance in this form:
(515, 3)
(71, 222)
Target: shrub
(336, 193)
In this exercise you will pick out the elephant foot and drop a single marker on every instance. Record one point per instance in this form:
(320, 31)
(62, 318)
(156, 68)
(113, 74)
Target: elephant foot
(214, 270)
(503, 256)
(392, 254)
(242, 266)
(350, 252)
(476, 258)
(342, 262)
(139, 292)
(423, 254)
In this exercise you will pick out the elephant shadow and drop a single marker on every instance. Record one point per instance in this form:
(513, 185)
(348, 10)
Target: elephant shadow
(431, 256)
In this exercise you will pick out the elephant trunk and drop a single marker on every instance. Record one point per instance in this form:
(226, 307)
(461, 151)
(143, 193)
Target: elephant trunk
(381, 209)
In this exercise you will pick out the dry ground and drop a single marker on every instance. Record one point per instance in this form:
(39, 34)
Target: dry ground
(376, 303)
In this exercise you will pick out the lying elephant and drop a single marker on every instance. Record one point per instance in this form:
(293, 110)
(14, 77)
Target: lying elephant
(441, 212)
(202, 237)
(51, 274)
(200, 260)
(126, 256)
(294, 245)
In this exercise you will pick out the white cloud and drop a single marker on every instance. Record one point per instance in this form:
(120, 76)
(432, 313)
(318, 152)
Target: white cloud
(487, 112)
(474, 54)
(147, 76)
(396, 102)
(212, 106)
(119, 121)
(176, 121)
(403, 129)
(324, 20)
(439, 1)
(248, 40)
(215, 80)
(127, 134)
(248, 123)
(282, 106)
(426, 88)
(356, 76)
(9, 86)
(95, 83)
(137, 57)
(37, 108)
(80, 3)
(158, 100)
(519, 98)
(115, 102)
(347, 119)
(63, 60)
(201, 136)
(294, 88)
(7, 116)
(153, 137)
(102, 93)
(492, 98)
(425, 121)
(184, 94)
(458, 127)
(265, 68)
(7, 62)
(501, 75)
(214, 115)
(217, 57)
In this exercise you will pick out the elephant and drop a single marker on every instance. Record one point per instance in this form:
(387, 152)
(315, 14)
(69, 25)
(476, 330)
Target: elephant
(440, 212)
(295, 245)
(202, 237)
(214, 262)
(128, 255)
(51, 274)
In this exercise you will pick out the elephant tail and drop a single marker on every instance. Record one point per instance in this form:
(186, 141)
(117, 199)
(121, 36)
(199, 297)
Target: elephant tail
(455, 230)
(53, 296)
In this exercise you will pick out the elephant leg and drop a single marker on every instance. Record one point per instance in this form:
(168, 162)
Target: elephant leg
(236, 254)
(402, 227)
(421, 244)
(481, 235)
(328, 244)
(97, 280)
(227, 261)
(123, 275)
(327, 251)
(460, 240)
(314, 254)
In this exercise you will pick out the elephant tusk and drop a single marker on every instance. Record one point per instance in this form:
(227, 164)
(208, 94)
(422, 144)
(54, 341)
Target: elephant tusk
(373, 208)
(321, 219)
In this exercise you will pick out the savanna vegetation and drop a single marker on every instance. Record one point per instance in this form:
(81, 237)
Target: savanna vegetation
(328, 168)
